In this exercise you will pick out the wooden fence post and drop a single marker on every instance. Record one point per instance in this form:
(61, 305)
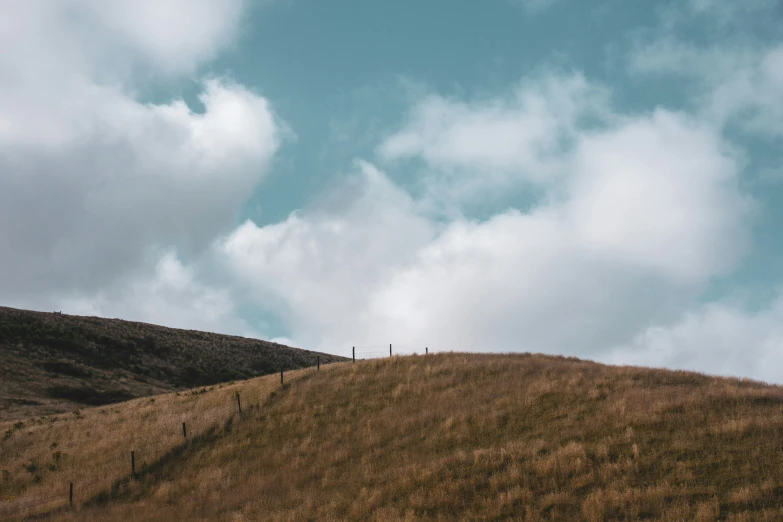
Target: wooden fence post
(389, 350)
(70, 495)
(184, 431)
(239, 403)
(353, 351)
(319, 362)
(133, 464)
(281, 376)
(426, 350)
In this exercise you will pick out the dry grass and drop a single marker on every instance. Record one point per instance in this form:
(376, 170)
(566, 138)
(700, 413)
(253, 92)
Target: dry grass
(470, 437)
(40, 457)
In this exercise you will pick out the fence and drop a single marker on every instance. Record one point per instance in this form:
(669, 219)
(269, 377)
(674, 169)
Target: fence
(91, 452)
(379, 351)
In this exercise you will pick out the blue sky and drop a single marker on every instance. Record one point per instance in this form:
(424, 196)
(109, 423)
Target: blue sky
(592, 178)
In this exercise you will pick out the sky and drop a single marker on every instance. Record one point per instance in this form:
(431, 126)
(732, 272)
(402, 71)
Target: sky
(599, 179)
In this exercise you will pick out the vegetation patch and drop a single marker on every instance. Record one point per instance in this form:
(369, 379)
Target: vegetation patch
(87, 395)
(65, 368)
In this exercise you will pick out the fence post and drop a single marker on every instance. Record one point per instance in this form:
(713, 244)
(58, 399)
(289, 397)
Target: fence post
(133, 464)
(239, 403)
(354, 354)
(319, 362)
(281, 376)
(426, 350)
(184, 431)
(389, 350)
(70, 495)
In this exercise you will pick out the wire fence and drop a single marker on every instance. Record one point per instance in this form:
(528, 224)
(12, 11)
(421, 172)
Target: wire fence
(132, 438)
(377, 351)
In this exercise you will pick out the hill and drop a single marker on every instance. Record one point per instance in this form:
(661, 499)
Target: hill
(53, 363)
(437, 437)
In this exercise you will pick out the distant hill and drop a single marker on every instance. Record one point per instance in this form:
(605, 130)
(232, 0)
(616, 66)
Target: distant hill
(51, 362)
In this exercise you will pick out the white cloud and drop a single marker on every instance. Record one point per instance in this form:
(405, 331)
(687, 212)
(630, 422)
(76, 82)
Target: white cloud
(108, 39)
(112, 206)
(646, 213)
(175, 35)
(742, 85)
(643, 225)
(508, 133)
(515, 282)
(96, 184)
(171, 294)
(660, 192)
(753, 95)
(719, 338)
(115, 178)
(735, 83)
(474, 149)
(318, 268)
(736, 80)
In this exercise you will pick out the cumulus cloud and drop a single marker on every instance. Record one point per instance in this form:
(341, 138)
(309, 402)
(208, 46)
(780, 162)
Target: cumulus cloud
(98, 184)
(318, 267)
(723, 338)
(172, 294)
(109, 39)
(174, 35)
(478, 148)
(642, 223)
(661, 192)
(645, 211)
(115, 206)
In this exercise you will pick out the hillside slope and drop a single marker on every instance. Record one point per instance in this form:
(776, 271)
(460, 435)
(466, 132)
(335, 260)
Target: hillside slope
(478, 437)
(41, 457)
(51, 363)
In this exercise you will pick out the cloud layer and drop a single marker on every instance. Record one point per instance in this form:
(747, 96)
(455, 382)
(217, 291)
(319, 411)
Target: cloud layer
(639, 214)
(112, 205)
(98, 185)
(724, 338)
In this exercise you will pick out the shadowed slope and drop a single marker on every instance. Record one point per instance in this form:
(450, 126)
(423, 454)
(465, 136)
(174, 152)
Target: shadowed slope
(489, 437)
(53, 363)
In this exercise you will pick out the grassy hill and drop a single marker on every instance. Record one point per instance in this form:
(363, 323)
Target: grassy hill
(53, 363)
(438, 437)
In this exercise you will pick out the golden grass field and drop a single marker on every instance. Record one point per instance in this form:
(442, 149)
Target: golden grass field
(438, 437)
(40, 457)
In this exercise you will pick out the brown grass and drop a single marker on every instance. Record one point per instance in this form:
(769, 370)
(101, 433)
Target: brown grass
(465, 437)
(91, 448)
